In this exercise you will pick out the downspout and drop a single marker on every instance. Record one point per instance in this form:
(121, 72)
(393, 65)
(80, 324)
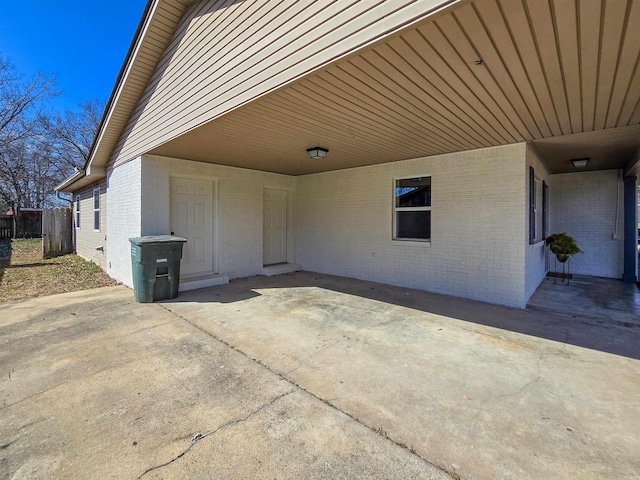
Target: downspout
(617, 221)
(65, 199)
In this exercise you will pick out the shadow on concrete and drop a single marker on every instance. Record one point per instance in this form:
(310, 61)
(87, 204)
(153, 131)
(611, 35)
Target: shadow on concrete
(601, 333)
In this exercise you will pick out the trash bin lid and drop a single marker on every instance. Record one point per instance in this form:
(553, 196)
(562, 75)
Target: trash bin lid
(157, 239)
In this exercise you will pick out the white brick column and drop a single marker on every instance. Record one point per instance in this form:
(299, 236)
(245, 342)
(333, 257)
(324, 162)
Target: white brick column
(124, 218)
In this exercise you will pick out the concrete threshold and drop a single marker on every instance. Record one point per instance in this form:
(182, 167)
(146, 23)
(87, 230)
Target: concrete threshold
(203, 281)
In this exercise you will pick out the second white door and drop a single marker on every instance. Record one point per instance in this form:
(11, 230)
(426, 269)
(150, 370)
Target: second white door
(192, 218)
(275, 226)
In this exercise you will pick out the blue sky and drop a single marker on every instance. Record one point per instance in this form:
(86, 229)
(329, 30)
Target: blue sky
(82, 43)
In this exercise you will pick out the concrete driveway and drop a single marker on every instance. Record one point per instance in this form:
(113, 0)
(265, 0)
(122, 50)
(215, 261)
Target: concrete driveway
(314, 376)
(96, 386)
(481, 391)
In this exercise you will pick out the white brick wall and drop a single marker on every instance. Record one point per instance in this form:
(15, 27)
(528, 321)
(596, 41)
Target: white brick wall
(340, 222)
(535, 261)
(344, 225)
(124, 219)
(238, 227)
(584, 206)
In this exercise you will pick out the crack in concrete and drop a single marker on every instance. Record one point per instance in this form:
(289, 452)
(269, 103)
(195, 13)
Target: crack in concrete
(73, 380)
(520, 390)
(452, 474)
(199, 437)
(310, 357)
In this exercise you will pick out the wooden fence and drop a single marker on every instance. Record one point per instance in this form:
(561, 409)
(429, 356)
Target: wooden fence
(6, 227)
(57, 232)
(22, 227)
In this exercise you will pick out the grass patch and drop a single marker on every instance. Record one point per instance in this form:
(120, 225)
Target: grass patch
(25, 274)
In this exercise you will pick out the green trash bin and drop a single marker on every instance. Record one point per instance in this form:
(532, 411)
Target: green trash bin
(155, 261)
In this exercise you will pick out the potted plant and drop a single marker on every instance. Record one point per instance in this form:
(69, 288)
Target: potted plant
(562, 245)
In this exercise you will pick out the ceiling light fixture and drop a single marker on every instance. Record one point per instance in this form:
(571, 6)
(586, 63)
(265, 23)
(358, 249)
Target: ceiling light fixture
(579, 162)
(317, 153)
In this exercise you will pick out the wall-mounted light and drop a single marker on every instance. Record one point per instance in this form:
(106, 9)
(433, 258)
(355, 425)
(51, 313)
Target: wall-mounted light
(579, 162)
(317, 153)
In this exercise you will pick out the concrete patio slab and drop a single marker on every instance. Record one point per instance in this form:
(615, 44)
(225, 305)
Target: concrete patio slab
(600, 298)
(482, 391)
(94, 385)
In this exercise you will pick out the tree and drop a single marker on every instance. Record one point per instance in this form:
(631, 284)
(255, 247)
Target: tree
(71, 135)
(19, 104)
(21, 171)
(39, 150)
(28, 174)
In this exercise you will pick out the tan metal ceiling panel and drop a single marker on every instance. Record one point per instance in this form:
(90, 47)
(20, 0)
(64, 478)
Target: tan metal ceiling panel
(508, 57)
(589, 21)
(566, 25)
(410, 90)
(424, 121)
(460, 68)
(541, 19)
(524, 42)
(468, 19)
(444, 78)
(428, 83)
(612, 28)
(629, 54)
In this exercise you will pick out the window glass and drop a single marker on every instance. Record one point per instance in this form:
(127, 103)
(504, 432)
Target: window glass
(413, 192)
(414, 225)
(412, 205)
(96, 209)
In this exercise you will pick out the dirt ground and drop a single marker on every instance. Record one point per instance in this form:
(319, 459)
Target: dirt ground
(25, 274)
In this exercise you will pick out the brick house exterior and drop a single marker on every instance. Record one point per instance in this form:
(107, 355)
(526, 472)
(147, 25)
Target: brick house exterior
(213, 139)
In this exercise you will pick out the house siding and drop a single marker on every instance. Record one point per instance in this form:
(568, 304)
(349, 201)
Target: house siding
(251, 48)
(91, 244)
(584, 205)
(535, 260)
(344, 225)
(125, 218)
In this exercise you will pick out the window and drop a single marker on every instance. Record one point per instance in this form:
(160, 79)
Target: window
(412, 209)
(532, 205)
(545, 210)
(77, 211)
(96, 209)
(538, 208)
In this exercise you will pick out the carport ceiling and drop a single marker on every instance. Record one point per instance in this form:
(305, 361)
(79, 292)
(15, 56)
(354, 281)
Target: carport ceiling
(491, 72)
(605, 149)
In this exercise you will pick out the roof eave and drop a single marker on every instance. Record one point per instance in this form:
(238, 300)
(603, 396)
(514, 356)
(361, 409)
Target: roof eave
(122, 76)
(81, 179)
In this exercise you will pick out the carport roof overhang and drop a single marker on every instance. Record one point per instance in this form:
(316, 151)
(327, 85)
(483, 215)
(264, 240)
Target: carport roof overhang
(562, 74)
(479, 74)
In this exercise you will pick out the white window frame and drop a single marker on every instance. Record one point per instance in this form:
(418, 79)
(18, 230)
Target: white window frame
(537, 183)
(77, 212)
(96, 210)
(394, 209)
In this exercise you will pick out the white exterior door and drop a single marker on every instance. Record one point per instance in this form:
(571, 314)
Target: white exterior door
(192, 218)
(275, 226)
